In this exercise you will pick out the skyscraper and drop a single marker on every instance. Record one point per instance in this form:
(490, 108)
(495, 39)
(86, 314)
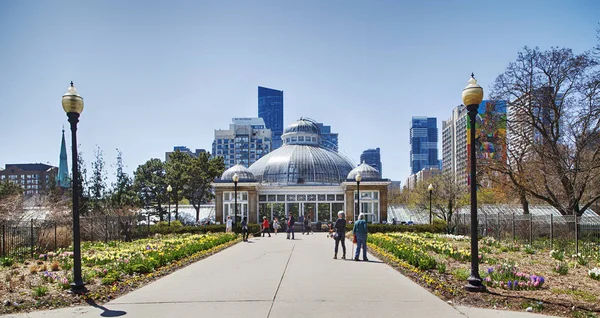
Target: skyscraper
(246, 141)
(270, 108)
(491, 136)
(329, 140)
(372, 157)
(423, 144)
(62, 179)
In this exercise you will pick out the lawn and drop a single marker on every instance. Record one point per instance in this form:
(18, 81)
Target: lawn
(516, 276)
(108, 270)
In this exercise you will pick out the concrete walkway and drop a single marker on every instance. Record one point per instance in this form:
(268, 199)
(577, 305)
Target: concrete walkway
(275, 277)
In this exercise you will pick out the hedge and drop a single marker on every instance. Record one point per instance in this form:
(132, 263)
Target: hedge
(436, 227)
(177, 227)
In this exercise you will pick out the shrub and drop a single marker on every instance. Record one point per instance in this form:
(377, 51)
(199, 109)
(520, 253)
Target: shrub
(561, 268)
(40, 291)
(54, 266)
(557, 255)
(441, 267)
(594, 273)
(6, 261)
(33, 269)
(436, 227)
(529, 250)
(110, 278)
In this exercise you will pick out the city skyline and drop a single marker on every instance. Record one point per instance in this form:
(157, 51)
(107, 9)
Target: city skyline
(172, 73)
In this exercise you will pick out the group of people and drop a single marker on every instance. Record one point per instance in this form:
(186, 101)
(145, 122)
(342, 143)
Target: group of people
(359, 231)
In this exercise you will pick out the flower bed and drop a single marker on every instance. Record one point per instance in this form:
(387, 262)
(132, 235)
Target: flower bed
(517, 276)
(107, 269)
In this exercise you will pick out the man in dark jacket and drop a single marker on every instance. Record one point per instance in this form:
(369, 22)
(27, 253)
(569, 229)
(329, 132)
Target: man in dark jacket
(360, 231)
(340, 234)
(290, 223)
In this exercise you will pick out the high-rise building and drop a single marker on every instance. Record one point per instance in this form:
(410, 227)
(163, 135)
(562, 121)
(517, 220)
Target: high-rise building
(246, 141)
(270, 108)
(423, 144)
(62, 179)
(491, 134)
(185, 150)
(328, 140)
(372, 157)
(34, 178)
(521, 133)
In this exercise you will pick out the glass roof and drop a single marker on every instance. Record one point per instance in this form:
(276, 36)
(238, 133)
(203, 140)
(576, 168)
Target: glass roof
(301, 164)
(243, 173)
(367, 173)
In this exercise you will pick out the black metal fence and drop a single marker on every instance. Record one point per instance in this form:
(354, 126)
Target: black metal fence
(29, 237)
(565, 232)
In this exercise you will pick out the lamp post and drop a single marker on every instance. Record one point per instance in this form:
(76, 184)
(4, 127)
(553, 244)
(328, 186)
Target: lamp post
(430, 189)
(169, 189)
(358, 177)
(235, 179)
(472, 96)
(72, 104)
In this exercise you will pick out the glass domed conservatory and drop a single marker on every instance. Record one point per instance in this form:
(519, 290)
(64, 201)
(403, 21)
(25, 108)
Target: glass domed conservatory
(301, 178)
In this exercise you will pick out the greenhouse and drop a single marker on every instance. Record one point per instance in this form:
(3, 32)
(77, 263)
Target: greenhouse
(304, 179)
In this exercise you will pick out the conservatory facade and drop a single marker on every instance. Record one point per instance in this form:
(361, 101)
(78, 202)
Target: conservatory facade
(303, 179)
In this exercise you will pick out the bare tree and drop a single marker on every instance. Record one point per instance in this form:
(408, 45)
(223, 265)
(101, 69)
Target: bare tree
(553, 127)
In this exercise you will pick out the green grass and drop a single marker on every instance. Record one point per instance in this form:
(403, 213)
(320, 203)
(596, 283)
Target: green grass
(461, 273)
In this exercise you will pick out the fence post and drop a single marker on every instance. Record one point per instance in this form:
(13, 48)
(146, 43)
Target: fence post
(55, 245)
(513, 225)
(530, 229)
(92, 228)
(32, 245)
(3, 239)
(498, 226)
(576, 235)
(551, 231)
(106, 229)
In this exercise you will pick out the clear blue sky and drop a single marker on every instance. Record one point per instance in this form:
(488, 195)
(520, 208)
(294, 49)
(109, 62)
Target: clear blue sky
(158, 74)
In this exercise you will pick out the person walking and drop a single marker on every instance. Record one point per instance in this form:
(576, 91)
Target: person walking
(360, 232)
(245, 229)
(290, 223)
(275, 225)
(340, 234)
(265, 227)
(229, 225)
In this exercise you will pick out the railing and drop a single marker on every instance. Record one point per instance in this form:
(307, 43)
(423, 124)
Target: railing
(26, 238)
(564, 232)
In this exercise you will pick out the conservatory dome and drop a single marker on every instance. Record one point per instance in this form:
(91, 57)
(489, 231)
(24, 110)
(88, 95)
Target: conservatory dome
(243, 173)
(367, 173)
(301, 160)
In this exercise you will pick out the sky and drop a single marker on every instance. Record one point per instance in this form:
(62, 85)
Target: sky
(158, 74)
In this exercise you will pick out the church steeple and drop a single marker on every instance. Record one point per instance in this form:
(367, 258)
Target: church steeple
(63, 166)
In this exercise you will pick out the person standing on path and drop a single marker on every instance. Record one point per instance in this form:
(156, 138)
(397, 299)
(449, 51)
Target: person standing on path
(229, 226)
(360, 231)
(245, 229)
(291, 222)
(265, 226)
(275, 225)
(340, 234)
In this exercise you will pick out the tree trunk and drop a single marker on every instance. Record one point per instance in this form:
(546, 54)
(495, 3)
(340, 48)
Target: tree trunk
(524, 203)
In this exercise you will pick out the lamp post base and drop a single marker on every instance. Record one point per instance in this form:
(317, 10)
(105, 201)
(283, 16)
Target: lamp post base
(78, 288)
(474, 285)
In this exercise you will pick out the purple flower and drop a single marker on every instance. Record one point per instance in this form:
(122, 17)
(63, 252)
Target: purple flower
(515, 283)
(490, 270)
(509, 284)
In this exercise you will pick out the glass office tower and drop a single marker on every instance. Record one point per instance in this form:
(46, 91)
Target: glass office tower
(270, 108)
(423, 144)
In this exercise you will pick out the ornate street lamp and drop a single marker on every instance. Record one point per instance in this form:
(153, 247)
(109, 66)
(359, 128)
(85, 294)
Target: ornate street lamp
(169, 189)
(472, 96)
(430, 189)
(72, 103)
(358, 177)
(235, 179)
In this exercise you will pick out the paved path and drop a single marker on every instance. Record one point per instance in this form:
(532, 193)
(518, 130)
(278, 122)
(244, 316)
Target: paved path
(275, 277)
